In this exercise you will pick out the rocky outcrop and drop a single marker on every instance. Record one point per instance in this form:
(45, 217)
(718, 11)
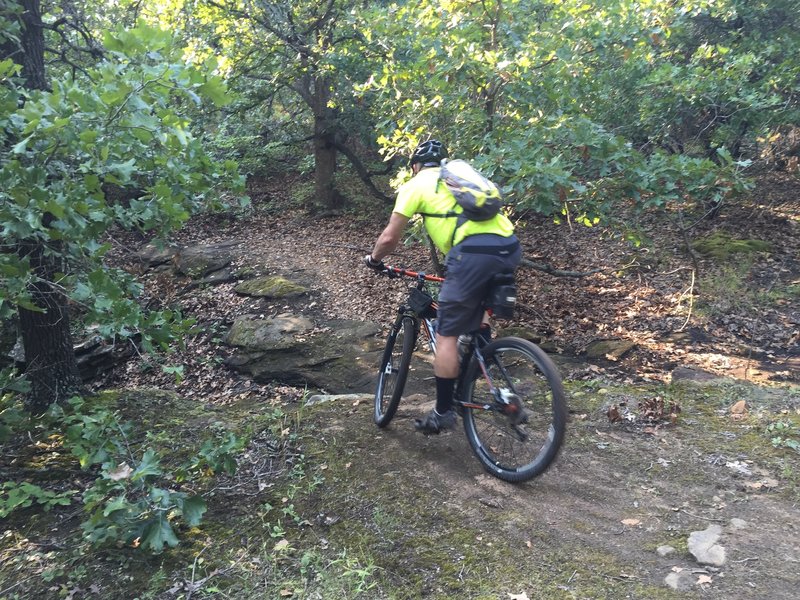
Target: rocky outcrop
(272, 287)
(94, 355)
(203, 263)
(612, 349)
(338, 355)
(198, 261)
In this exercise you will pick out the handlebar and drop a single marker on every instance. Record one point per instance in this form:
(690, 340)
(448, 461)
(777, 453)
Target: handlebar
(398, 272)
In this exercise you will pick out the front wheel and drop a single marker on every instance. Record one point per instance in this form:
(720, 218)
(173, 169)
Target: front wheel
(394, 370)
(518, 430)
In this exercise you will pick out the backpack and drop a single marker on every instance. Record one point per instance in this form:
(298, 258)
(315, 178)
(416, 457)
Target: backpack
(479, 198)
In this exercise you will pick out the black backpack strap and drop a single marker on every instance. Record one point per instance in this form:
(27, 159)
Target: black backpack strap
(446, 215)
(460, 220)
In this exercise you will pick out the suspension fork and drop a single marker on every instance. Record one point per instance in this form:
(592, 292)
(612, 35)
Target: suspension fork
(430, 333)
(397, 326)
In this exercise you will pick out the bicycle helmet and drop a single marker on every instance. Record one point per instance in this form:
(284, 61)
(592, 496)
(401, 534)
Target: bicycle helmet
(429, 153)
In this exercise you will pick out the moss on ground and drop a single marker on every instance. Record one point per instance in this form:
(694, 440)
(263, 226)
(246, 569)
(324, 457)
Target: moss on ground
(273, 286)
(723, 246)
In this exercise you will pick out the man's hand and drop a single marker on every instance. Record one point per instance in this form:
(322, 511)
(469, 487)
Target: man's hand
(378, 265)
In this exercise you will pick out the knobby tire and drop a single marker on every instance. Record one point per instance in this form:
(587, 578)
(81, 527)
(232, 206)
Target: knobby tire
(515, 451)
(394, 368)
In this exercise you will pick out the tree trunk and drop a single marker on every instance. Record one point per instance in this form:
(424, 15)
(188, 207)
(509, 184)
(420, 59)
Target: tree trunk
(324, 147)
(324, 169)
(50, 361)
(33, 46)
(51, 366)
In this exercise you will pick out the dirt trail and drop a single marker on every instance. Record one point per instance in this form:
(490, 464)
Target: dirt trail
(439, 526)
(589, 528)
(422, 509)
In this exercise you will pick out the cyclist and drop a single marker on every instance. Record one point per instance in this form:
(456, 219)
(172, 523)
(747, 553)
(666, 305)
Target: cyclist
(475, 251)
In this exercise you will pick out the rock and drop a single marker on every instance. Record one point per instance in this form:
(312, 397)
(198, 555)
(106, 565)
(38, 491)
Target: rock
(271, 287)
(703, 546)
(665, 550)
(319, 398)
(526, 333)
(337, 356)
(681, 581)
(152, 255)
(549, 347)
(691, 374)
(93, 354)
(222, 276)
(737, 524)
(267, 334)
(198, 261)
(609, 349)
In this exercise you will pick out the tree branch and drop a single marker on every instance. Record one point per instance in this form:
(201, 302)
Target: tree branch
(361, 171)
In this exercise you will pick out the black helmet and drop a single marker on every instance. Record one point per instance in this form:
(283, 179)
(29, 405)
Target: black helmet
(432, 151)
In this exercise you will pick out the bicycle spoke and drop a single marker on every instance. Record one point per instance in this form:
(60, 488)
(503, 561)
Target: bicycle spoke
(519, 435)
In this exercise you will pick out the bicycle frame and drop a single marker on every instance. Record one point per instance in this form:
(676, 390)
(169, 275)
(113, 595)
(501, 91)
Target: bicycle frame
(428, 326)
(508, 392)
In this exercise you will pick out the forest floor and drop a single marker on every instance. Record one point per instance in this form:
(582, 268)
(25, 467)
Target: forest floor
(345, 510)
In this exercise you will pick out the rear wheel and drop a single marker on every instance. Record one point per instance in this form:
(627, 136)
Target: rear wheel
(394, 370)
(518, 433)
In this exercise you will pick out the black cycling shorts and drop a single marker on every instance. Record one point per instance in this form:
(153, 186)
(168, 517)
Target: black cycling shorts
(470, 266)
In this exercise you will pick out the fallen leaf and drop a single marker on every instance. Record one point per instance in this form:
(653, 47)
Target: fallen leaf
(528, 544)
(703, 579)
(613, 414)
(522, 596)
(631, 522)
(739, 408)
(121, 472)
(286, 593)
(282, 545)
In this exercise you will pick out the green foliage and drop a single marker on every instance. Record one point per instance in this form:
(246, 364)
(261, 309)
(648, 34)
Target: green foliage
(252, 154)
(576, 108)
(14, 496)
(133, 500)
(113, 149)
(216, 455)
(784, 434)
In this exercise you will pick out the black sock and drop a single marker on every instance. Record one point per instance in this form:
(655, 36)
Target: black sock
(444, 394)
